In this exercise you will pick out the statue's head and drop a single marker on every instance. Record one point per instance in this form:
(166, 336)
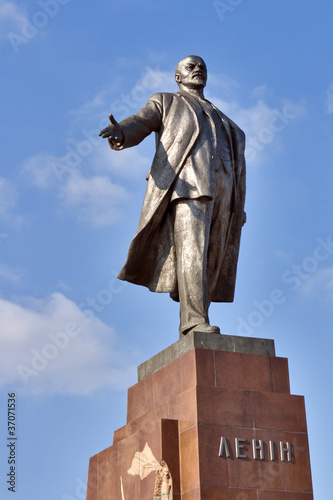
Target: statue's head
(191, 72)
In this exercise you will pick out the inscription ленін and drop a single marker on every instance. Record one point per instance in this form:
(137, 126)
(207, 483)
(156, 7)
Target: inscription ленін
(258, 449)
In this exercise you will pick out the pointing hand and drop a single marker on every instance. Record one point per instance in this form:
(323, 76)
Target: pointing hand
(113, 132)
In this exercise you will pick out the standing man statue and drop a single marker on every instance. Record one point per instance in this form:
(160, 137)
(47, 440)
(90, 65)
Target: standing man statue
(187, 242)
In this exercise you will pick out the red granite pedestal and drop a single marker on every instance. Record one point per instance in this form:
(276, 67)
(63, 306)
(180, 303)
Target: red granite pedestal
(218, 411)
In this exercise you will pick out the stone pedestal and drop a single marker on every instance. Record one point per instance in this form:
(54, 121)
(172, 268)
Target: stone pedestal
(211, 418)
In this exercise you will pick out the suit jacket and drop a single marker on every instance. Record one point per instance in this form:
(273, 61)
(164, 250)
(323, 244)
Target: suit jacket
(175, 118)
(211, 153)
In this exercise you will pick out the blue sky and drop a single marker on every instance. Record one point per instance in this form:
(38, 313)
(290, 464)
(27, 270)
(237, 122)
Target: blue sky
(71, 334)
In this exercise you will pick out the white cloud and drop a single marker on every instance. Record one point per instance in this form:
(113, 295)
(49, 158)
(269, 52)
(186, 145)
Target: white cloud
(11, 16)
(95, 200)
(320, 281)
(40, 169)
(259, 92)
(8, 198)
(283, 255)
(329, 102)
(95, 111)
(262, 123)
(223, 83)
(133, 162)
(50, 346)
(264, 127)
(9, 275)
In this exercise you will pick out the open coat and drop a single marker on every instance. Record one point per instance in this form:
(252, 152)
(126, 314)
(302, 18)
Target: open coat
(151, 261)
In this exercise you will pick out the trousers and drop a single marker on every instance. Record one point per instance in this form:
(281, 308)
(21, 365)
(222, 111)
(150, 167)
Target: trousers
(200, 232)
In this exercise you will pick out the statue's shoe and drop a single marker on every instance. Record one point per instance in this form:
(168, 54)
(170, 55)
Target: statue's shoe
(205, 328)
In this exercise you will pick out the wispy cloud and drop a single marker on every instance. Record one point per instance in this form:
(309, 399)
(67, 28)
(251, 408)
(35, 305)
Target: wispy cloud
(8, 198)
(129, 163)
(320, 282)
(262, 123)
(12, 16)
(329, 99)
(92, 199)
(10, 275)
(51, 346)
(111, 98)
(95, 200)
(39, 169)
(19, 28)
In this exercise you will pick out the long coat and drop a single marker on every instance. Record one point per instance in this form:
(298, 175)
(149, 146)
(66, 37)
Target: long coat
(151, 260)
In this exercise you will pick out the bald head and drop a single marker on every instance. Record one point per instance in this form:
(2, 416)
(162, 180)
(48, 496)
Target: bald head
(191, 73)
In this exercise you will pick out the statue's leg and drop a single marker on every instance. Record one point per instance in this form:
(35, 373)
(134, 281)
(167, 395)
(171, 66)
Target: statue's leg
(192, 220)
(218, 229)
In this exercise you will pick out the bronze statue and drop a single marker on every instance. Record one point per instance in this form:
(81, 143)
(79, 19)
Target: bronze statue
(187, 242)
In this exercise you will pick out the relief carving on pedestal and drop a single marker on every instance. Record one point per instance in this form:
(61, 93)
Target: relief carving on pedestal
(143, 464)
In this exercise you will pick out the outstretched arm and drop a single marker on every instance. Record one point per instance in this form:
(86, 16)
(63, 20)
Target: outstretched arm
(132, 130)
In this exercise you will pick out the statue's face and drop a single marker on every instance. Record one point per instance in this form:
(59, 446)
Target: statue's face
(192, 72)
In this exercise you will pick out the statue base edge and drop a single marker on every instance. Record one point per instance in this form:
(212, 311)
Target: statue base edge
(211, 341)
